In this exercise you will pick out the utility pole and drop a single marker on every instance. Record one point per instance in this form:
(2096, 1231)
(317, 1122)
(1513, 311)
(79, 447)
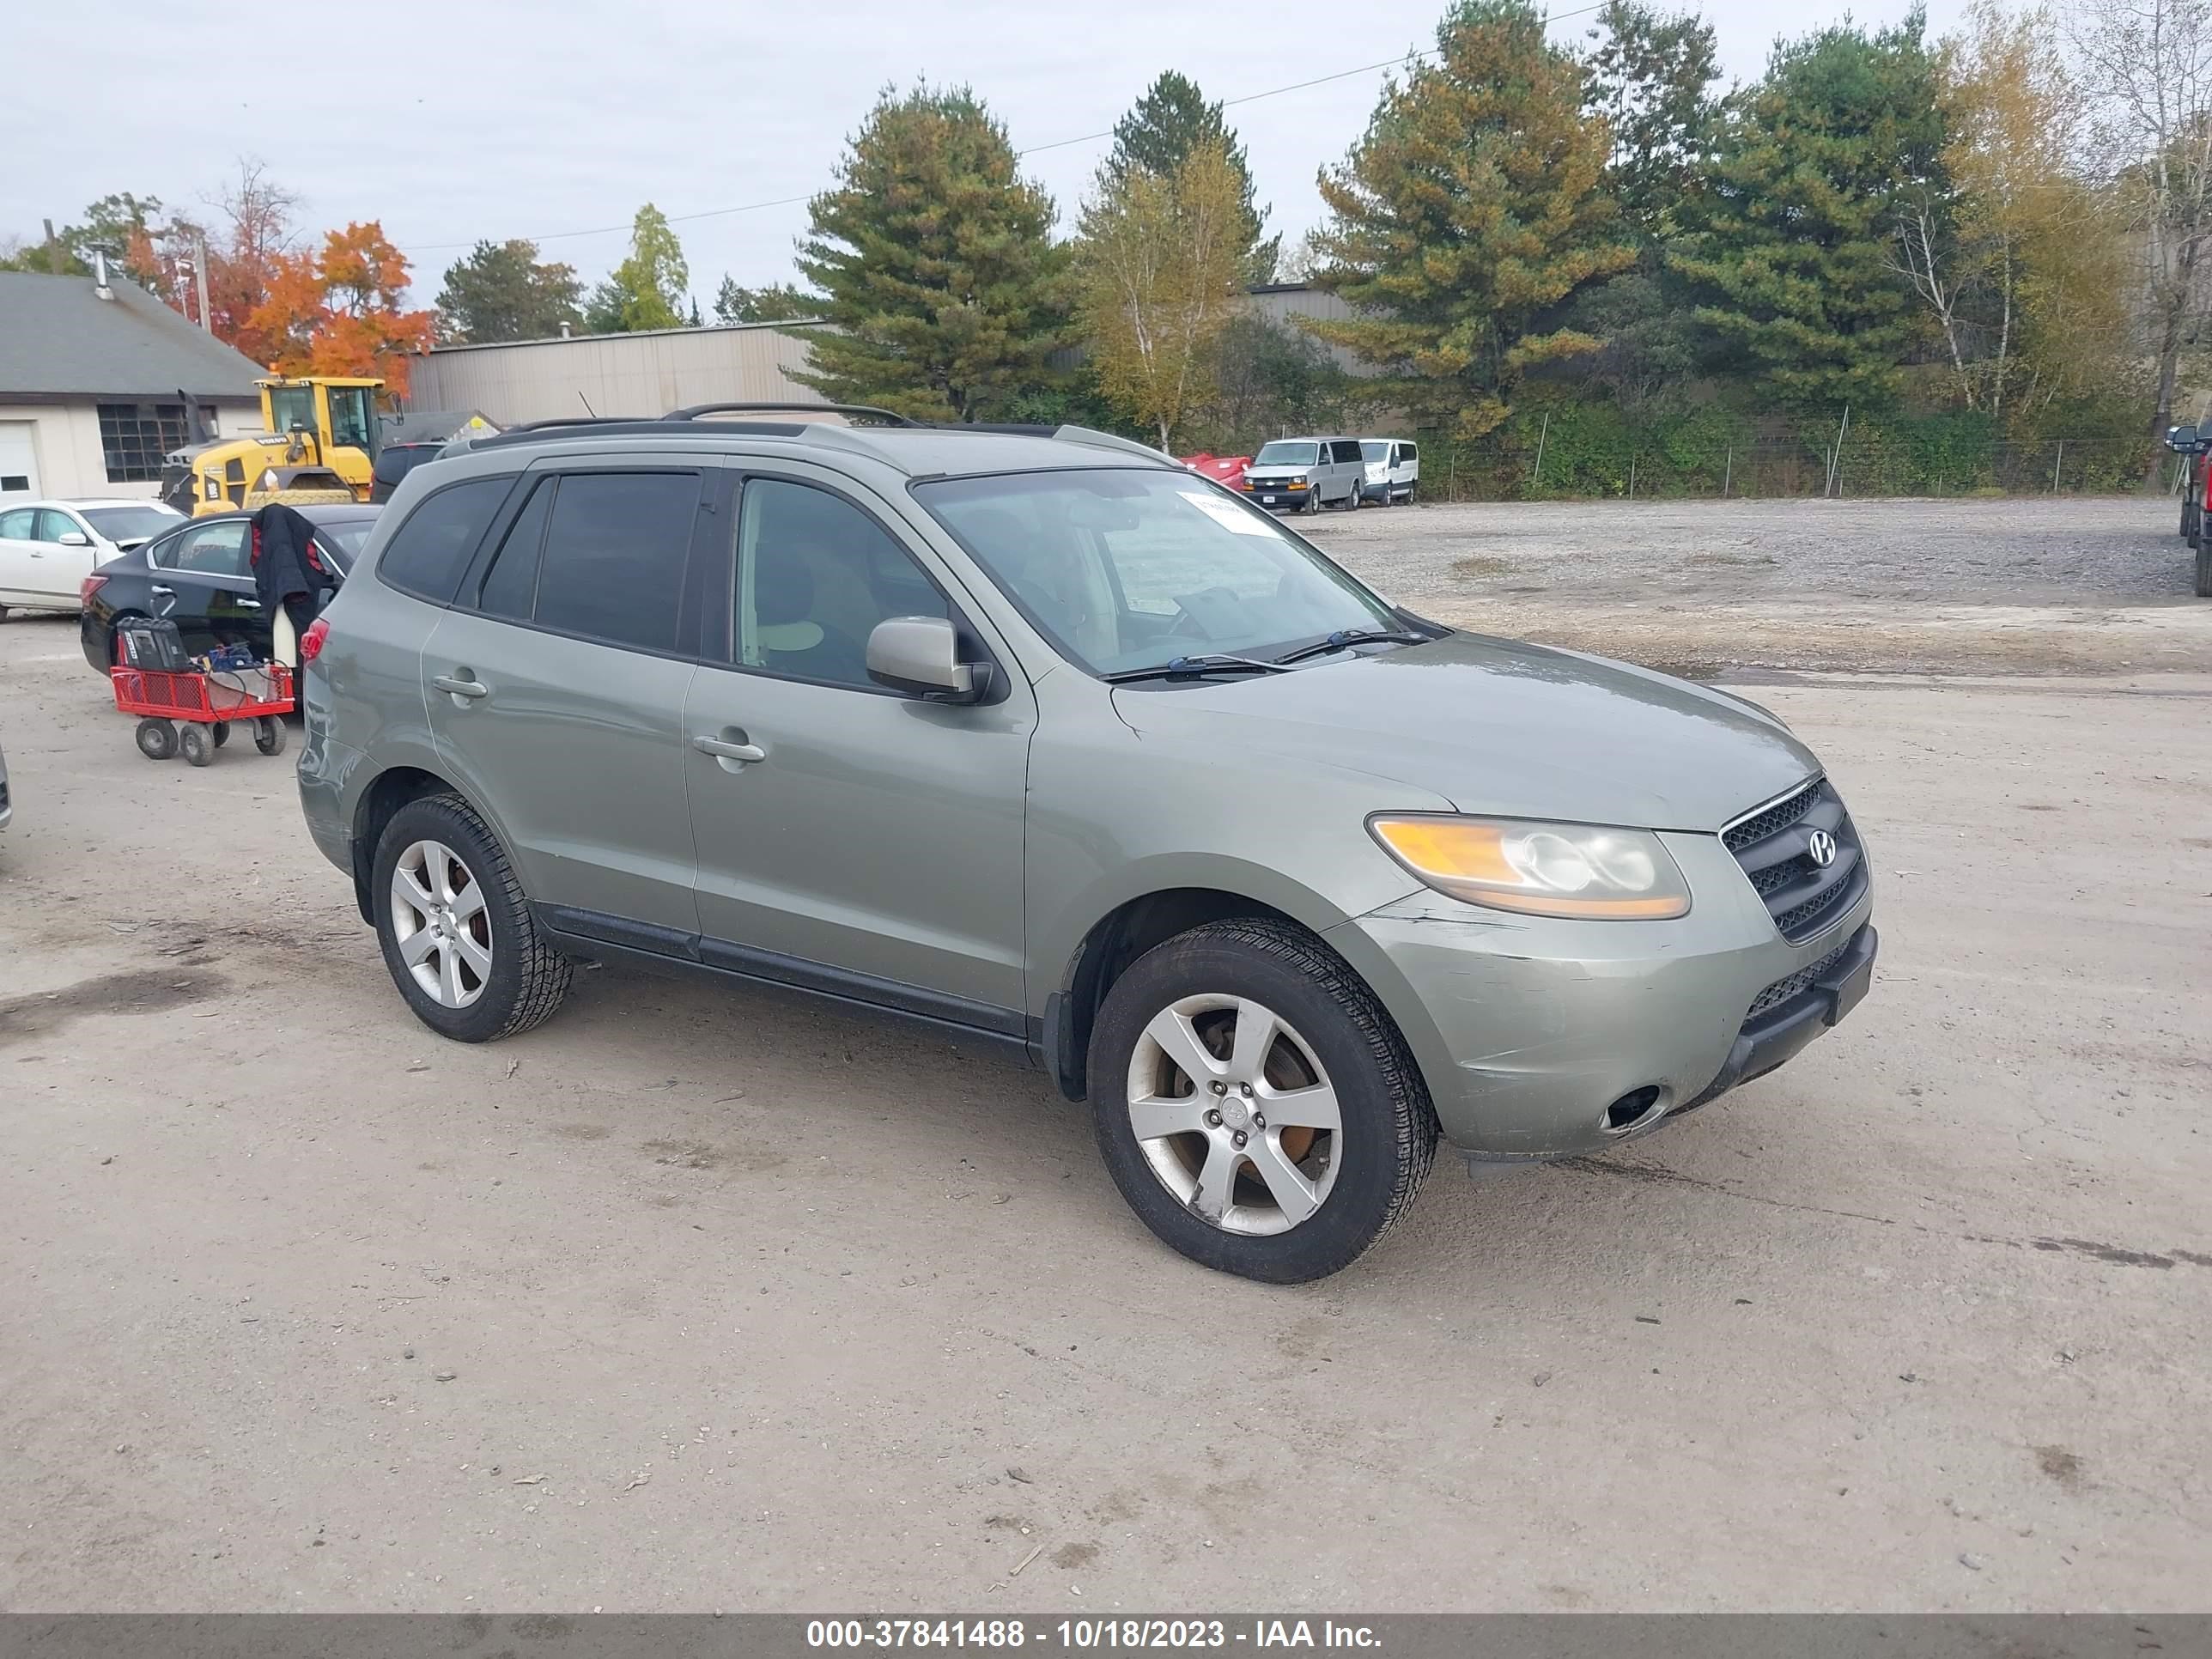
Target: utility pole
(199, 280)
(55, 263)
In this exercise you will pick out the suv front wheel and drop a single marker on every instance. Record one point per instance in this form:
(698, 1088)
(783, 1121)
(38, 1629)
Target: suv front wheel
(1254, 1104)
(455, 928)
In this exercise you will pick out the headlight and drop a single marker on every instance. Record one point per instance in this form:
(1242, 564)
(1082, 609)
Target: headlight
(1539, 869)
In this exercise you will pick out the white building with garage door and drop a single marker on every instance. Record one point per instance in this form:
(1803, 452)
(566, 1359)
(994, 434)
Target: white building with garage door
(99, 381)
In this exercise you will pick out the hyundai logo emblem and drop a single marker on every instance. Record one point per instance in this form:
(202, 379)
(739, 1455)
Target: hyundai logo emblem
(1821, 849)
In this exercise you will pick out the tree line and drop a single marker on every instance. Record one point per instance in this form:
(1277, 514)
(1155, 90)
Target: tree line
(2002, 228)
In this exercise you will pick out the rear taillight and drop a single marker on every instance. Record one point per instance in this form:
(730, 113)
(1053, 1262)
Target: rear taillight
(87, 587)
(311, 642)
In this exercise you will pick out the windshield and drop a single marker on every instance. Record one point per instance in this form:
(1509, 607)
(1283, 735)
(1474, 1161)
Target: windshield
(1280, 453)
(343, 540)
(291, 406)
(1127, 568)
(123, 524)
(1372, 450)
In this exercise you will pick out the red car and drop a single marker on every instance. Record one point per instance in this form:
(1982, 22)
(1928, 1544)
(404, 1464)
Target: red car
(1222, 469)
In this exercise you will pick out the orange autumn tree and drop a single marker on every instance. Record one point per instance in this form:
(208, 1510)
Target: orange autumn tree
(341, 310)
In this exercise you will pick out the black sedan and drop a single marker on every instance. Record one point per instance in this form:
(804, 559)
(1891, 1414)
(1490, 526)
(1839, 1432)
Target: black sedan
(200, 576)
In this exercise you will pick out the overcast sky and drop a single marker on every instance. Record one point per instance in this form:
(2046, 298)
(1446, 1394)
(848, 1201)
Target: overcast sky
(497, 118)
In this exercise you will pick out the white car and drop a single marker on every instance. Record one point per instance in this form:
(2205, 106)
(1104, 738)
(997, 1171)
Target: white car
(48, 547)
(1393, 469)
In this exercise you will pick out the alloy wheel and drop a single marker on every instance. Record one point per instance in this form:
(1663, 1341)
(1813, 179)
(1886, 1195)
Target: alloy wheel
(1235, 1113)
(441, 924)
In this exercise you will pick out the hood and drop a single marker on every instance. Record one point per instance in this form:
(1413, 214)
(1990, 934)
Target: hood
(1497, 726)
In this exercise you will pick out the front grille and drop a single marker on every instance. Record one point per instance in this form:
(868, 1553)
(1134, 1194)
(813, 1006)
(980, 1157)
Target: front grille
(1773, 845)
(1792, 985)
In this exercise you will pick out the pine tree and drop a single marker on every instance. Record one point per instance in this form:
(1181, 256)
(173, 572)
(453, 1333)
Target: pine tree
(936, 264)
(1157, 135)
(501, 291)
(1468, 214)
(1791, 250)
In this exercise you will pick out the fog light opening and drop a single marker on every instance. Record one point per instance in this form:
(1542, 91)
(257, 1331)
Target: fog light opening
(1636, 1107)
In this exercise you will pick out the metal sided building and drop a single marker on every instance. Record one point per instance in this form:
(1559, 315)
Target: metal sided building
(637, 374)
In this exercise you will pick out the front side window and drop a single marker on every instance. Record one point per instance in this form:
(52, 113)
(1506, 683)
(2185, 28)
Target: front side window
(135, 437)
(613, 565)
(352, 422)
(815, 576)
(1126, 569)
(54, 524)
(1288, 452)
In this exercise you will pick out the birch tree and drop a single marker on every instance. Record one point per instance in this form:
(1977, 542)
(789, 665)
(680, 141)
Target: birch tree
(1160, 271)
(2148, 64)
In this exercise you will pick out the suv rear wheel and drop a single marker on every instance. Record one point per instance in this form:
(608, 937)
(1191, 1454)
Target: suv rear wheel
(455, 928)
(1254, 1104)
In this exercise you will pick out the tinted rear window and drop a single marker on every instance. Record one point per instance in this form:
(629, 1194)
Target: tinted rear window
(428, 553)
(612, 567)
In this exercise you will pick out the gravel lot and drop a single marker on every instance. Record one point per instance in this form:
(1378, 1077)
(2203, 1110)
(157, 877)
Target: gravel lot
(694, 1301)
(2094, 585)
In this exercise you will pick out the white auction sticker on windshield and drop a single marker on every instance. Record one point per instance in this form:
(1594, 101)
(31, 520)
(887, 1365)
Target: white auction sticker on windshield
(1227, 514)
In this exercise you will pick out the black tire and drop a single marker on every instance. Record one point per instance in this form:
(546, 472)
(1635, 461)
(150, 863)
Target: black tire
(1356, 499)
(194, 743)
(1312, 502)
(221, 734)
(157, 739)
(2189, 520)
(2204, 566)
(528, 977)
(269, 734)
(1388, 1135)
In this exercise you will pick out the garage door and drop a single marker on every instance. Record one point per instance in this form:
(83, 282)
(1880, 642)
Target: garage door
(19, 462)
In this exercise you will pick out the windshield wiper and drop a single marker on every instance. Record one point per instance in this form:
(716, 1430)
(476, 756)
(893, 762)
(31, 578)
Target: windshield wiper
(1179, 667)
(1349, 636)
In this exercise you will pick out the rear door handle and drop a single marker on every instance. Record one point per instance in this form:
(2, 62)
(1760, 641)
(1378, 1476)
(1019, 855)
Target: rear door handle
(460, 688)
(723, 749)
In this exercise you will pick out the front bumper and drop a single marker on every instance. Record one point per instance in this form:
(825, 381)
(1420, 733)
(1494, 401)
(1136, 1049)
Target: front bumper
(1528, 1030)
(1277, 495)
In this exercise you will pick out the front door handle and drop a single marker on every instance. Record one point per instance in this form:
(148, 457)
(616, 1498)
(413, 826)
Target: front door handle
(457, 686)
(731, 754)
(166, 593)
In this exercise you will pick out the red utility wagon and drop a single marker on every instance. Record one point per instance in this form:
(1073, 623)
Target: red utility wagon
(191, 711)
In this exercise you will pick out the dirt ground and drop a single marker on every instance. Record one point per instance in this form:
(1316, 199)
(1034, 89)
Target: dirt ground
(693, 1300)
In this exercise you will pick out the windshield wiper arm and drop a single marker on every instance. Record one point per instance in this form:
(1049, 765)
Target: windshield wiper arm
(1179, 667)
(1348, 636)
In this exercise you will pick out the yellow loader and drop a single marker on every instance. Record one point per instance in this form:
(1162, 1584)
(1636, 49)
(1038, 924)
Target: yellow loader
(318, 444)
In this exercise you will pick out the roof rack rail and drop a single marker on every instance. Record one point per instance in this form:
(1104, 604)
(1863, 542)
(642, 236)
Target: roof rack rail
(573, 420)
(886, 416)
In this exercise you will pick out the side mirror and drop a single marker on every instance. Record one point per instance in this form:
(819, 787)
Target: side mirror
(2181, 438)
(921, 656)
(74, 538)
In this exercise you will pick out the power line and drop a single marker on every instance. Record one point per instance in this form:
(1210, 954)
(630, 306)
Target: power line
(1019, 154)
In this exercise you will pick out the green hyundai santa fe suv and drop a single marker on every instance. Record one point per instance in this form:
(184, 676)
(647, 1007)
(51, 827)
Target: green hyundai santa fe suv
(1033, 736)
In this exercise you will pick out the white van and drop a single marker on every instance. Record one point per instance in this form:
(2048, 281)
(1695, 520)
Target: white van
(1303, 475)
(1394, 468)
